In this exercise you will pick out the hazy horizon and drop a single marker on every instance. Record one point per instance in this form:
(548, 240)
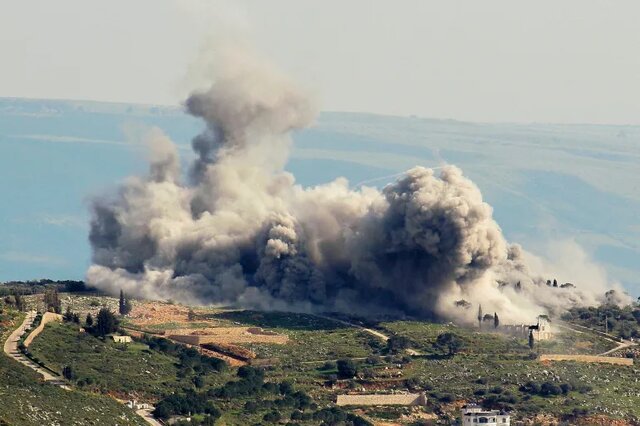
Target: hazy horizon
(493, 61)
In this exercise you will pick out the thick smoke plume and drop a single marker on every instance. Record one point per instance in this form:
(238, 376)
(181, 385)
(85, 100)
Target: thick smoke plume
(238, 230)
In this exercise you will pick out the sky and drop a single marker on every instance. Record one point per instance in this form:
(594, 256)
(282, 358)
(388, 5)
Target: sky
(570, 61)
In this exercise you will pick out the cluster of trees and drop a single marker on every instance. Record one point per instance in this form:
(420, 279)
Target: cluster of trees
(16, 300)
(450, 343)
(191, 361)
(105, 323)
(40, 286)
(251, 383)
(188, 403)
(487, 318)
(551, 389)
(623, 322)
(554, 283)
(337, 416)
(52, 300)
(397, 343)
(70, 316)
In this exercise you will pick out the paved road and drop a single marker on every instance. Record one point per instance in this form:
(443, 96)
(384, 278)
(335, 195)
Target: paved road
(11, 349)
(146, 415)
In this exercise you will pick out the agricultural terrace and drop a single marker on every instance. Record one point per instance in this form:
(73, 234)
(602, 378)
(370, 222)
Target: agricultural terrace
(323, 358)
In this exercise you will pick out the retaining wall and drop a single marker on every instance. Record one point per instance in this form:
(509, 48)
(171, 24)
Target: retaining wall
(587, 358)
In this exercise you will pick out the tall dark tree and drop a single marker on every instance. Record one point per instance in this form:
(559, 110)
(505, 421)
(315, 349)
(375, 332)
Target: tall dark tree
(106, 322)
(531, 339)
(479, 316)
(68, 373)
(124, 305)
(496, 320)
(121, 303)
(68, 315)
(88, 322)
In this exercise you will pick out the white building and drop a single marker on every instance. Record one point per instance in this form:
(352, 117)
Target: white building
(138, 405)
(121, 339)
(473, 415)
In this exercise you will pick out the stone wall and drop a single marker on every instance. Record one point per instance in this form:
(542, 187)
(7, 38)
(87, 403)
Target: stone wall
(587, 358)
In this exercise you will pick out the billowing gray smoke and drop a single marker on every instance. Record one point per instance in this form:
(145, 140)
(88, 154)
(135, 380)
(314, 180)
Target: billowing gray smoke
(238, 230)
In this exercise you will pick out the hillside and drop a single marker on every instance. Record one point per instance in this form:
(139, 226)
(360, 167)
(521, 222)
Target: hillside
(26, 400)
(290, 367)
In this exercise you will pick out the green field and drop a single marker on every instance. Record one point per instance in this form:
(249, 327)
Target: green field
(105, 366)
(312, 339)
(26, 400)
(497, 370)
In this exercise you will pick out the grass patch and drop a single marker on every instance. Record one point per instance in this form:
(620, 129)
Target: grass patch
(104, 365)
(26, 400)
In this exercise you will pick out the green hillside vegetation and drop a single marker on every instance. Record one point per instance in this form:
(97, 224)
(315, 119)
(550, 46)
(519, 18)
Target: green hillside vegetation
(313, 339)
(27, 401)
(105, 366)
(324, 358)
(623, 322)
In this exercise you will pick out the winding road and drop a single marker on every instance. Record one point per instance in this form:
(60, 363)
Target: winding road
(621, 343)
(11, 349)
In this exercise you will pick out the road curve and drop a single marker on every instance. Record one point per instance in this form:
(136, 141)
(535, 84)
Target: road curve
(11, 349)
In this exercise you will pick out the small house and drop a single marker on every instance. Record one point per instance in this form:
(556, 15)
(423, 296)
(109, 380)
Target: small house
(473, 415)
(121, 339)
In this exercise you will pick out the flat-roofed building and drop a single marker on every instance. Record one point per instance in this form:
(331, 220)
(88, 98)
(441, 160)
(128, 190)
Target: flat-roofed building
(474, 415)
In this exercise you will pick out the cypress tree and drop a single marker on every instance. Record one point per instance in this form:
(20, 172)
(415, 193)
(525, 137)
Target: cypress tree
(531, 339)
(121, 305)
(88, 321)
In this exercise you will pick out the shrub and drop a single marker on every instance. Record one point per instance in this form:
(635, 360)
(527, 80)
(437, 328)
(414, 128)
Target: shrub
(548, 389)
(273, 416)
(250, 407)
(346, 369)
(496, 390)
(329, 365)
(446, 398)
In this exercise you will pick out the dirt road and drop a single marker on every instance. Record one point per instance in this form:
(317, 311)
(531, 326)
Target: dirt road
(620, 343)
(371, 331)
